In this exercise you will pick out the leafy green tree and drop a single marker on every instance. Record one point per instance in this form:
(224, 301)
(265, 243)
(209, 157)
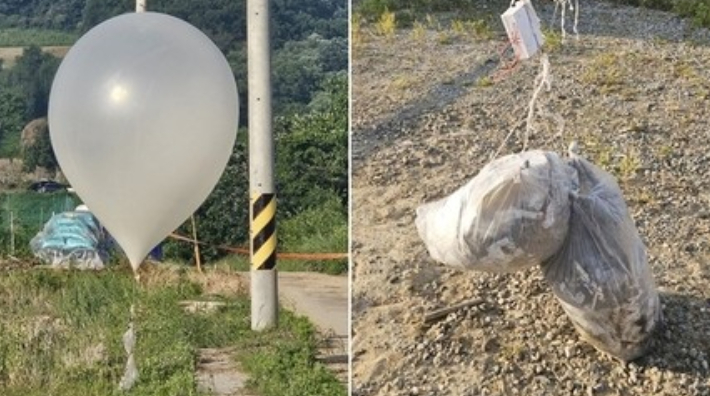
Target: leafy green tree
(32, 75)
(296, 20)
(224, 21)
(301, 66)
(97, 11)
(237, 59)
(12, 118)
(40, 153)
(312, 153)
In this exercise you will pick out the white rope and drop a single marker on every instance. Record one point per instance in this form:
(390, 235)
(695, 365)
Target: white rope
(544, 79)
(576, 19)
(130, 375)
(562, 4)
(562, 19)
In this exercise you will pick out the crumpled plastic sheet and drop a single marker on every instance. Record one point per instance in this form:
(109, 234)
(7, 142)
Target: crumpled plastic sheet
(570, 218)
(513, 215)
(130, 375)
(71, 239)
(601, 276)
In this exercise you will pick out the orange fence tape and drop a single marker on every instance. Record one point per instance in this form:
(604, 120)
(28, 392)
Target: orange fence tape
(287, 256)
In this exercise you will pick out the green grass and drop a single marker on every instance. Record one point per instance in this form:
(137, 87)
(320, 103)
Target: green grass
(30, 210)
(61, 334)
(319, 230)
(323, 229)
(372, 9)
(553, 39)
(282, 362)
(10, 145)
(34, 208)
(331, 267)
(14, 37)
(698, 11)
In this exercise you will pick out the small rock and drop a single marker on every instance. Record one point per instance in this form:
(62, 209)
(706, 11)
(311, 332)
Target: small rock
(490, 345)
(633, 378)
(569, 351)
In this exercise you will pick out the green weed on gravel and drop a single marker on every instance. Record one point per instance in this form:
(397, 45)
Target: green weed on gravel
(697, 11)
(386, 24)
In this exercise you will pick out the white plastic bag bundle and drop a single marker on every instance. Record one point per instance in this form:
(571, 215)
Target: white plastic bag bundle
(600, 275)
(130, 374)
(514, 214)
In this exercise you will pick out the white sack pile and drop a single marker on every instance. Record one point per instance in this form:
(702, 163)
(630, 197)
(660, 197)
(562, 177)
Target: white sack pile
(533, 208)
(600, 276)
(511, 216)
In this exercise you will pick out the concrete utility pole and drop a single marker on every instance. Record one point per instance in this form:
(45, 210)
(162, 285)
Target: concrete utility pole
(262, 210)
(140, 5)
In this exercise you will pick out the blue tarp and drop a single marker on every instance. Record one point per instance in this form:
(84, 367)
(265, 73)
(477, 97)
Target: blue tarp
(72, 239)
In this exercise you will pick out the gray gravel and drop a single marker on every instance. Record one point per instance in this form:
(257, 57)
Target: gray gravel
(633, 91)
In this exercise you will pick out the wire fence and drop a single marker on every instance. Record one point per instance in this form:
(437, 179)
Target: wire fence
(23, 214)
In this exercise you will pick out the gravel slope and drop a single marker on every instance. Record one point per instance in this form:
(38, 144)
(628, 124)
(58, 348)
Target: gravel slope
(633, 91)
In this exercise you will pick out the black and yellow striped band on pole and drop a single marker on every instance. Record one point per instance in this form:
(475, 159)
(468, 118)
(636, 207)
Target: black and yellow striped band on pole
(263, 209)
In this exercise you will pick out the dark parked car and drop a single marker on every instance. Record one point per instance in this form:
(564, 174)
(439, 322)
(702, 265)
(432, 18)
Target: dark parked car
(46, 186)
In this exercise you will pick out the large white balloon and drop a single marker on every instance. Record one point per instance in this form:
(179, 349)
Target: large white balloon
(143, 117)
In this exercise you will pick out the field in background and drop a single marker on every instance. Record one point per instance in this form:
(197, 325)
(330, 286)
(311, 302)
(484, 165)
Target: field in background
(8, 55)
(25, 37)
(14, 41)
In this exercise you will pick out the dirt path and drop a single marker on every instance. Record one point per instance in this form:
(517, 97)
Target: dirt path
(217, 372)
(633, 91)
(322, 298)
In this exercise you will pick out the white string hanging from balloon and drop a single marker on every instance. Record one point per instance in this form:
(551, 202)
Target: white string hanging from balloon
(562, 5)
(130, 374)
(521, 22)
(543, 80)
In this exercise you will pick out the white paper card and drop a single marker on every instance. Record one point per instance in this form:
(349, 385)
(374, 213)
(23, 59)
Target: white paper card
(523, 28)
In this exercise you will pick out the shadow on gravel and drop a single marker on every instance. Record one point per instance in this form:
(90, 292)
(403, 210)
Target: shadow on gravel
(594, 21)
(411, 114)
(684, 341)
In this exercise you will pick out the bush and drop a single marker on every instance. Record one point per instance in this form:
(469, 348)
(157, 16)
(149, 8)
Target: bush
(407, 11)
(312, 153)
(323, 229)
(696, 10)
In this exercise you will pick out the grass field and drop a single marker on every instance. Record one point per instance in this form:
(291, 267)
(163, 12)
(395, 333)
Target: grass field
(13, 42)
(62, 335)
(14, 37)
(24, 213)
(8, 55)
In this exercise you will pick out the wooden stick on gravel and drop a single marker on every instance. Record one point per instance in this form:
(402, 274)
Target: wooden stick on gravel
(443, 312)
